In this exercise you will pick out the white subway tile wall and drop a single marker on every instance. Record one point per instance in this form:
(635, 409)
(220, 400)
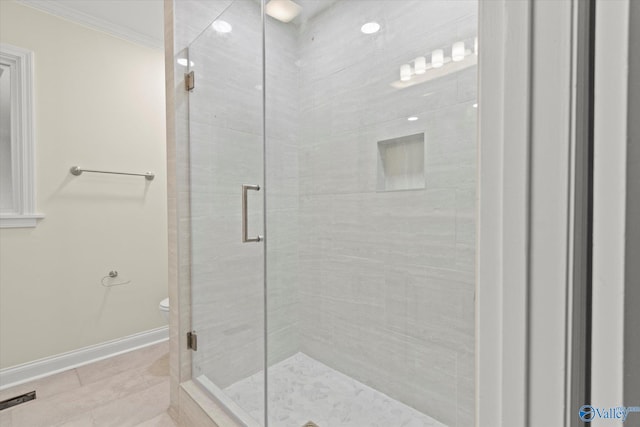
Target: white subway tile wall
(386, 279)
(378, 285)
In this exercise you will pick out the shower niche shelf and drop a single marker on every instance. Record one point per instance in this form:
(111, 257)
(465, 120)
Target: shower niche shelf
(401, 163)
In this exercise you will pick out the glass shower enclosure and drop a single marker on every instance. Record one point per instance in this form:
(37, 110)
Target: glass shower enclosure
(333, 191)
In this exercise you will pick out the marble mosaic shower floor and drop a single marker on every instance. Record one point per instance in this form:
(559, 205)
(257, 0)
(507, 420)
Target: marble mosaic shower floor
(301, 389)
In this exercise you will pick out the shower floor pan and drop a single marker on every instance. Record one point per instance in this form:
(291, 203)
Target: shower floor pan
(303, 390)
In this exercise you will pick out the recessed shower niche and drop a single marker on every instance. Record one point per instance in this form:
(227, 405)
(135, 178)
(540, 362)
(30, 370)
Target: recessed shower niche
(401, 163)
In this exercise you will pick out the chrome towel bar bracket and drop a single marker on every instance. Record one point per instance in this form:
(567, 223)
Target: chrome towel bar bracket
(75, 170)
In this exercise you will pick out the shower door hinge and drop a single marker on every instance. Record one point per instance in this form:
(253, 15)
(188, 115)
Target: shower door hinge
(192, 341)
(189, 81)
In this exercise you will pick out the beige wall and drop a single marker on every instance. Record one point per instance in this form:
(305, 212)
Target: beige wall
(99, 103)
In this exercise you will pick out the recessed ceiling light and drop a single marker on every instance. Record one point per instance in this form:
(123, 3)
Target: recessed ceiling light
(412, 118)
(221, 26)
(370, 28)
(475, 105)
(283, 10)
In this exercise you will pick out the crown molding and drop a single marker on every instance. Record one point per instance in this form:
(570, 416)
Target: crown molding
(111, 28)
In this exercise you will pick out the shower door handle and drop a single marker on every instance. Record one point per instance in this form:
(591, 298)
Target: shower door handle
(245, 228)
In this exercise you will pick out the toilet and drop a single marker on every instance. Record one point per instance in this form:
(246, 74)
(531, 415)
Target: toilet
(164, 309)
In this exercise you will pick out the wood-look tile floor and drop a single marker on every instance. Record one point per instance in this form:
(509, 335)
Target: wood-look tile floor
(129, 390)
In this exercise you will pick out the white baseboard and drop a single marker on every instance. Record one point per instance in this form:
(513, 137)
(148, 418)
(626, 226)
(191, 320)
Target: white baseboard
(26, 372)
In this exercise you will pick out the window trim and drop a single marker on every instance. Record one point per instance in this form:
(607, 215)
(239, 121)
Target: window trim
(20, 61)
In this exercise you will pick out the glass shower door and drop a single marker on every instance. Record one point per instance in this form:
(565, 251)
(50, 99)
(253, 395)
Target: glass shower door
(226, 163)
(364, 288)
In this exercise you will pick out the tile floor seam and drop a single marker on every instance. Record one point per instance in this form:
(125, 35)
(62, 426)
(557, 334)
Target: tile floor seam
(95, 412)
(138, 376)
(75, 371)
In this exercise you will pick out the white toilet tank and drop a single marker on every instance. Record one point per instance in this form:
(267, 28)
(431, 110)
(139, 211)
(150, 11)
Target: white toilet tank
(164, 309)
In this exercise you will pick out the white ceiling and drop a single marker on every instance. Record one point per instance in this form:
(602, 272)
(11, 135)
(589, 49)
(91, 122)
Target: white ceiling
(140, 21)
(311, 8)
